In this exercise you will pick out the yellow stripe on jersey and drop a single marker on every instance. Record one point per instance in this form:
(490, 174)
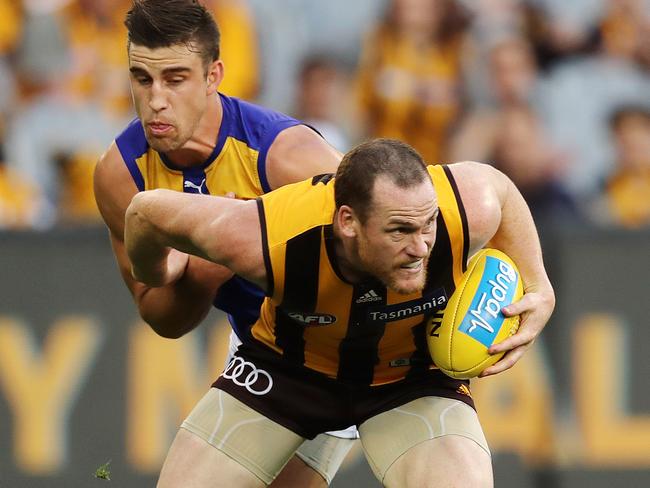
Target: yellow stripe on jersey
(234, 170)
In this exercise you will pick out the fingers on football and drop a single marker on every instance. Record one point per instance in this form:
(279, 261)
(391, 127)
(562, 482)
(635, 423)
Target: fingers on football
(524, 336)
(518, 307)
(506, 362)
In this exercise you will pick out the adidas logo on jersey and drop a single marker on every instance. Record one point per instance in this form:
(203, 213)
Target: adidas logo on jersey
(371, 296)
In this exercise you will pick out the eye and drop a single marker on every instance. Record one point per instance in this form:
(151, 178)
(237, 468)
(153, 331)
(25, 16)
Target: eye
(176, 81)
(400, 231)
(143, 80)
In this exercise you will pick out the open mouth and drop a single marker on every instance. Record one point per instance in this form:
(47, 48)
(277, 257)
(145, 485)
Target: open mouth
(413, 267)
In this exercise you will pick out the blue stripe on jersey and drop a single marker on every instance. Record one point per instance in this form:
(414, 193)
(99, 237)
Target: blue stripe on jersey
(242, 301)
(269, 137)
(256, 126)
(194, 181)
(132, 144)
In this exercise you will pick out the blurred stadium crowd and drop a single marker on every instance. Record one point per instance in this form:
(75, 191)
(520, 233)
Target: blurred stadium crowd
(555, 93)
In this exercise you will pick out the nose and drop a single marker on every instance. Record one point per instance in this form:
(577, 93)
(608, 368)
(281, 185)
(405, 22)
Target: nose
(420, 245)
(157, 97)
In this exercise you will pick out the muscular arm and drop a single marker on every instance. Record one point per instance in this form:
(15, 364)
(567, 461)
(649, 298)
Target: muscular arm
(299, 153)
(222, 230)
(499, 217)
(178, 307)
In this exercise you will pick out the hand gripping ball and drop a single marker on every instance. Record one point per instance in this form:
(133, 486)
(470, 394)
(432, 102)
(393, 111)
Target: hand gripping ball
(473, 320)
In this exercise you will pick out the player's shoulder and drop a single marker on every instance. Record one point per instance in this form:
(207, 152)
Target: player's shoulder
(469, 171)
(469, 177)
(251, 123)
(295, 208)
(480, 187)
(313, 189)
(249, 110)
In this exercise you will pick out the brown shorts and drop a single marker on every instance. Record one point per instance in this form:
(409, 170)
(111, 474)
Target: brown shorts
(309, 403)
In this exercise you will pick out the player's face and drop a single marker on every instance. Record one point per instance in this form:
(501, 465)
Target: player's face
(170, 93)
(395, 241)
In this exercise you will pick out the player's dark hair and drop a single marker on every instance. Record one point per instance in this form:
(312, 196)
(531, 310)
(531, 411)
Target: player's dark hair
(164, 23)
(360, 167)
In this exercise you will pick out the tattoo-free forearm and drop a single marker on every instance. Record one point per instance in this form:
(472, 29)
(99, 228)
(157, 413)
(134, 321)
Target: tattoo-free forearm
(517, 236)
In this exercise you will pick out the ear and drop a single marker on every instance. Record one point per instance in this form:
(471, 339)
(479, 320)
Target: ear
(215, 75)
(347, 221)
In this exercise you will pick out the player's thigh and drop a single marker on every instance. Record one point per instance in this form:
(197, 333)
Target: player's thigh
(317, 460)
(404, 444)
(234, 430)
(193, 463)
(297, 473)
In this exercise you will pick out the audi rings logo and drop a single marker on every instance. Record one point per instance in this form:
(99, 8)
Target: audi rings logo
(246, 374)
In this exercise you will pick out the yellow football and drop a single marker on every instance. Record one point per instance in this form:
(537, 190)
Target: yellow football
(473, 320)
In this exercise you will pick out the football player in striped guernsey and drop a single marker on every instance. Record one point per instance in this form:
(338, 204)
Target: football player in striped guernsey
(323, 355)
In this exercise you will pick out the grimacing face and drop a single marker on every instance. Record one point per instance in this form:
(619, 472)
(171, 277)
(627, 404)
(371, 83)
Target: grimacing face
(395, 241)
(169, 88)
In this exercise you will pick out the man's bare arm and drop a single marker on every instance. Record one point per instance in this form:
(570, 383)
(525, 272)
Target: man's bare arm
(499, 217)
(159, 223)
(172, 310)
(299, 153)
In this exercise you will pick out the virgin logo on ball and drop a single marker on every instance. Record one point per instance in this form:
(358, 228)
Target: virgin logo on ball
(246, 374)
(497, 287)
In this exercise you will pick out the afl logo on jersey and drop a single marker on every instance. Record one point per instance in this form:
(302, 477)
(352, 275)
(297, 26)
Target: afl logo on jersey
(313, 319)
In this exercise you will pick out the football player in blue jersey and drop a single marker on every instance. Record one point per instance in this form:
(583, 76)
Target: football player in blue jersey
(189, 137)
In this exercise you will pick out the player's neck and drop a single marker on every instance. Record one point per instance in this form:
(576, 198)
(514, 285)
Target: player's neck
(202, 143)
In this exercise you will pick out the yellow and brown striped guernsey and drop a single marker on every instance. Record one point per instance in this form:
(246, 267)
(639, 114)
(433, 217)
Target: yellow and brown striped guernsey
(358, 333)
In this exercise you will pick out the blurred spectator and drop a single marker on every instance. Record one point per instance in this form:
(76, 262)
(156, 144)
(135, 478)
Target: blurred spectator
(289, 30)
(559, 30)
(626, 201)
(492, 18)
(239, 47)
(626, 30)
(96, 38)
(72, 66)
(10, 31)
(11, 25)
(523, 152)
(512, 80)
(410, 72)
(507, 130)
(321, 99)
(582, 93)
(19, 200)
